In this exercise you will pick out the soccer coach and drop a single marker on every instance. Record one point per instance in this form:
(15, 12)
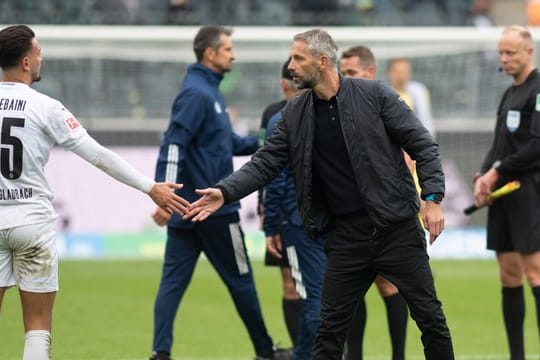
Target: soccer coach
(343, 139)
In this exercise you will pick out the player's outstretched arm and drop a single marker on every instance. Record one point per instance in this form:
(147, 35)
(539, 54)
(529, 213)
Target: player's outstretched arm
(111, 163)
(210, 202)
(164, 197)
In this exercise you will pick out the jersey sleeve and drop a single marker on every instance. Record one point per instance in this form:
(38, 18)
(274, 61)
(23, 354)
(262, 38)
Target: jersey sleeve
(112, 164)
(64, 128)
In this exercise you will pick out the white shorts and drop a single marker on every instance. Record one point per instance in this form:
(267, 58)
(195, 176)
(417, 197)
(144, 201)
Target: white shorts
(28, 257)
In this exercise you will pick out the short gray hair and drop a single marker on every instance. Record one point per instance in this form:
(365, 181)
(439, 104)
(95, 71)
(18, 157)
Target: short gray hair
(319, 43)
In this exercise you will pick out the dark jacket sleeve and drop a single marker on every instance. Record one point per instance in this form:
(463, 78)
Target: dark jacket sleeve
(403, 125)
(265, 164)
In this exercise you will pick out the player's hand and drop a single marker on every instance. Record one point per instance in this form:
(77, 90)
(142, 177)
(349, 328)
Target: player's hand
(433, 218)
(273, 244)
(161, 217)
(163, 195)
(211, 200)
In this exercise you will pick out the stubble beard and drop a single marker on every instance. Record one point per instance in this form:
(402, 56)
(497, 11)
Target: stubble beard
(305, 83)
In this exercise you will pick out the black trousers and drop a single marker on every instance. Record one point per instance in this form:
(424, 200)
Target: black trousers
(357, 252)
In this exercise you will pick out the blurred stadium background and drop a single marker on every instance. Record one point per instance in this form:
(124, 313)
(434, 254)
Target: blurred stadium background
(117, 65)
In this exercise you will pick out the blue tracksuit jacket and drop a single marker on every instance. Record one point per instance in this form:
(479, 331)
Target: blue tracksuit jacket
(198, 146)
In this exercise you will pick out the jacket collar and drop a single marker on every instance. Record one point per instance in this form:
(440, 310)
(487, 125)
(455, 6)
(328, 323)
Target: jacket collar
(211, 76)
(344, 86)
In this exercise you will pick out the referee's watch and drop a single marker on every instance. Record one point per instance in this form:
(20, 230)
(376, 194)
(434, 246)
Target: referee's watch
(435, 197)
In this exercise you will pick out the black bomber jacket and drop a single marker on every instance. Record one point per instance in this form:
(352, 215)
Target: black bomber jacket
(376, 125)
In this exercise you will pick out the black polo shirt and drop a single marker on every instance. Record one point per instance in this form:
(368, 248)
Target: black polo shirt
(332, 170)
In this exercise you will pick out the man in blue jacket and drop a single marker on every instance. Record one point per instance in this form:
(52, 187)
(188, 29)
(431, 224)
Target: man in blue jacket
(197, 149)
(344, 140)
(283, 229)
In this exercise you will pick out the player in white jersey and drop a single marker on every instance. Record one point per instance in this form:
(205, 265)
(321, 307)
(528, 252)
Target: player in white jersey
(30, 125)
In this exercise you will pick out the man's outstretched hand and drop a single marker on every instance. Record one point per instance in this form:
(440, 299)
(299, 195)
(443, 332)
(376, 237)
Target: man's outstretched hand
(164, 197)
(211, 200)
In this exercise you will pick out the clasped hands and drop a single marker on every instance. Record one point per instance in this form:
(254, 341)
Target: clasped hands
(210, 201)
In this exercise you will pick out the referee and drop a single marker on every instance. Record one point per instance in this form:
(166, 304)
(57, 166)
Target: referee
(513, 229)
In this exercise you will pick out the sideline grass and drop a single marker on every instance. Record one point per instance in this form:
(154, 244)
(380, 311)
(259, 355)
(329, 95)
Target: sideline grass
(104, 311)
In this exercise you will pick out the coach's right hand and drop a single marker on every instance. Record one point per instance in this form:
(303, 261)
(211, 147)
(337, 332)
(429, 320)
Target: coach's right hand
(211, 200)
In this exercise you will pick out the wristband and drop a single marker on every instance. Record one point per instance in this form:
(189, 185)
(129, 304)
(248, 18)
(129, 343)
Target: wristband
(435, 197)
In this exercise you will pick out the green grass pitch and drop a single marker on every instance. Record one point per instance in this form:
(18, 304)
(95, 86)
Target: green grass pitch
(104, 311)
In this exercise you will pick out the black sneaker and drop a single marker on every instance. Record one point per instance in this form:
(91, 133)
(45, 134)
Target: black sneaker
(278, 354)
(160, 356)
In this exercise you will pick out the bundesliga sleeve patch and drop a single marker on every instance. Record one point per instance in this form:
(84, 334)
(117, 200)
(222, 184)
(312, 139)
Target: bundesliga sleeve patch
(72, 123)
(537, 108)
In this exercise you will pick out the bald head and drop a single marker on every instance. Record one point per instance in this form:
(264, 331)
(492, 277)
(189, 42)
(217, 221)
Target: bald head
(519, 31)
(516, 52)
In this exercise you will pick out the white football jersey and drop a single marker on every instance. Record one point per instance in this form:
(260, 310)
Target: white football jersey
(31, 123)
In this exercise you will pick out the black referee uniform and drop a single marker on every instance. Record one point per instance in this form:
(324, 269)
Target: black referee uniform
(514, 220)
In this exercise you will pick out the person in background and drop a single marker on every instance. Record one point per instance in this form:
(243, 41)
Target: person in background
(415, 94)
(344, 140)
(290, 301)
(285, 234)
(513, 222)
(359, 62)
(197, 149)
(31, 124)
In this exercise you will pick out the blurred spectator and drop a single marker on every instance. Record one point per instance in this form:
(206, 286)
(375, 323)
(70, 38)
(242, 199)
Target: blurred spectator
(133, 12)
(241, 12)
(415, 94)
(481, 13)
(47, 12)
(119, 11)
(422, 13)
(321, 12)
(366, 10)
(180, 12)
